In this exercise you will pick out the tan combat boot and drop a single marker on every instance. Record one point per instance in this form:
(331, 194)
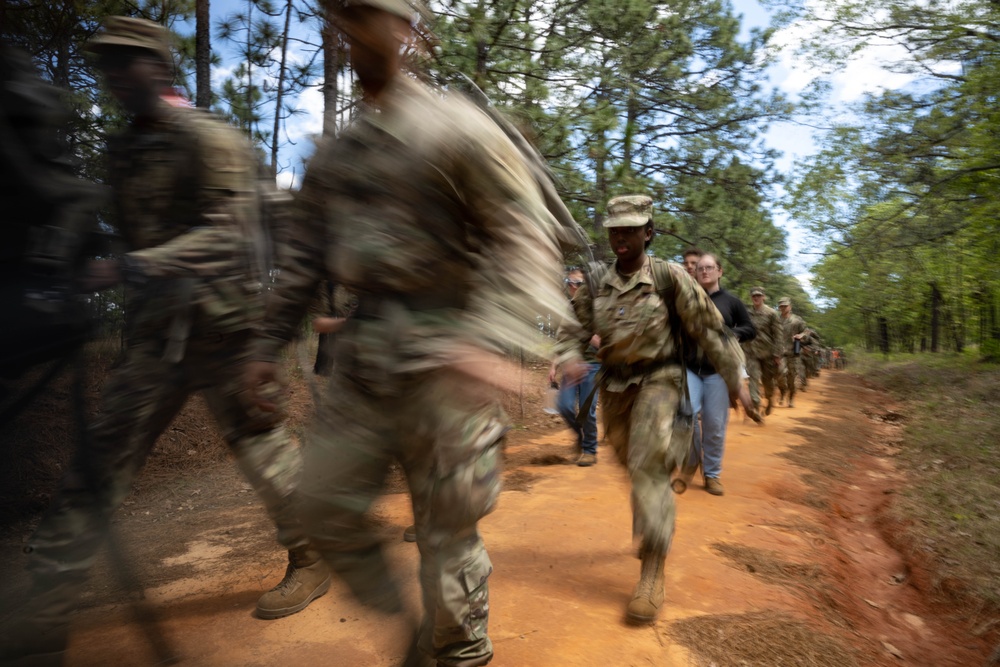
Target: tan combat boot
(648, 595)
(306, 578)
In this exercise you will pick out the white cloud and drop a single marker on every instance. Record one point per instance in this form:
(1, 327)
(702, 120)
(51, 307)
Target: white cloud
(289, 179)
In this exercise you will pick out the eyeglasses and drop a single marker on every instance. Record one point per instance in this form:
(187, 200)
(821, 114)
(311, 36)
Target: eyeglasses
(706, 269)
(575, 283)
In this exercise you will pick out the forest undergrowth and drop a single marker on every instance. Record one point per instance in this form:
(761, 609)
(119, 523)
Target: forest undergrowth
(950, 453)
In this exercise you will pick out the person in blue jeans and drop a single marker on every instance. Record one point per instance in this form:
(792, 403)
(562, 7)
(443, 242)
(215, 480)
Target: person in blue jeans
(707, 389)
(573, 396)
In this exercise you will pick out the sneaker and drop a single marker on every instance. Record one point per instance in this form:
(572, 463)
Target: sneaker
(586, 459)
(410, 534)
(714, 486)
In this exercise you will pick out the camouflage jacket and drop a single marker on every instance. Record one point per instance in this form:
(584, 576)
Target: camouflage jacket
(427, 213)
(184, 190)
(633, 322)
(768, 342)
(791, 325)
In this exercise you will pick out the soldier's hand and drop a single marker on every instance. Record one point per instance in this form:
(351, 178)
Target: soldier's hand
(327, 325)
(100, 274)
(261, 377)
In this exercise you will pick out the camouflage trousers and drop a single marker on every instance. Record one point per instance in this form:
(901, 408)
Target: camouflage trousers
(761, 371)
(141, 398)
(788, 373)
(640, 423)
(446, 431)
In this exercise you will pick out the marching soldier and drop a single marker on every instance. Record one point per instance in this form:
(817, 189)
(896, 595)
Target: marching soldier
(184, 188)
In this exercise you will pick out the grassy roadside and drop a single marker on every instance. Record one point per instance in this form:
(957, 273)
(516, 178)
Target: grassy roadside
(951, 454)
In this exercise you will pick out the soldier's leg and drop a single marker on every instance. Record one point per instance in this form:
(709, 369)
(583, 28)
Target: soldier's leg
(142, 396)
(767, 376)
(271, 463)
(754, 372)
(791, 378)
(653, 450)
(452, 461)
(345, 459)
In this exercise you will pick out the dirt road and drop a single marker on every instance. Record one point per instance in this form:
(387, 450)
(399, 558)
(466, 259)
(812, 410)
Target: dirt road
(788, 568)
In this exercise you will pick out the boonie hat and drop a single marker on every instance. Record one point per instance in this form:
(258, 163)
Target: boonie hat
(754, 291)
(125, 31)
(784, 301)
(629, 211)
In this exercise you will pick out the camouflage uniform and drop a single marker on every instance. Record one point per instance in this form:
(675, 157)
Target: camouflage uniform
(642, 375)
(184, 188)
(790, 326)
(762, 351)
(425, 212)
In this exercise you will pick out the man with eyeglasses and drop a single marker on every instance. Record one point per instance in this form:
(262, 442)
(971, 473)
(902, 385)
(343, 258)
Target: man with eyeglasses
(573, 396)
(709, 393)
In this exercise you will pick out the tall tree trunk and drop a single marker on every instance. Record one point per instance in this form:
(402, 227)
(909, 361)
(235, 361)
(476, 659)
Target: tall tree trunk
(935, 318)
(883, 335)
(202, 54)
(332, 60)
(279, 95)
(249, 90)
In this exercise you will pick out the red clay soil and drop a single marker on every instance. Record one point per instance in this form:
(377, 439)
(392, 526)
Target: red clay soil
(797, 533)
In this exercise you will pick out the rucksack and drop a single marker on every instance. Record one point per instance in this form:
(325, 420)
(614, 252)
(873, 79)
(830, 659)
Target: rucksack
(50, 223)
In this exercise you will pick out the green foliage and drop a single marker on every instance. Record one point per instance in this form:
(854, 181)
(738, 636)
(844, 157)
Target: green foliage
(904, 199)
(636, 95)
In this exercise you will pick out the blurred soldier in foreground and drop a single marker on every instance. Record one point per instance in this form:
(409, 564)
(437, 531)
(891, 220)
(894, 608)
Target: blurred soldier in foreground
(185, 194)
(646, 312)
(425, 211)
(793, 331)
(763, 352)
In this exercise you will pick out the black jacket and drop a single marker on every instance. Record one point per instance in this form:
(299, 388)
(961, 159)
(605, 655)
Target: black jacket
(736, 317)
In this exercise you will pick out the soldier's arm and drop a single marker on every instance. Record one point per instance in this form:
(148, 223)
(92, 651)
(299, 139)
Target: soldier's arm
(704, 325)
(575, 331)
(777, 340)
(521, 276)
(216, 244)
(300, 265)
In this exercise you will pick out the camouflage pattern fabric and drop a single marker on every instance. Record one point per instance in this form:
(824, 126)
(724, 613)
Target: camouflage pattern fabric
(180, 186)
(186, 199)
(762, 350)
(791, 325)
(426, 212)
(642, 383)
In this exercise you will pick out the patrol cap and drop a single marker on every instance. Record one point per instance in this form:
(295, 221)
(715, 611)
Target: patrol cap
(754, 291)
(404, 9)
(784, 301)
(629, 211)
(125, 31)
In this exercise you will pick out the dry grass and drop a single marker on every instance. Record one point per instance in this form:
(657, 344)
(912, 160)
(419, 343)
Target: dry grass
(768, 565)
(759, 639)
(949, 451)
